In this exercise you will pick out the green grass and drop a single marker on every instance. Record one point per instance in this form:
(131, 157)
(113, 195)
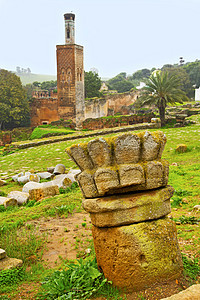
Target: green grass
(46, 131)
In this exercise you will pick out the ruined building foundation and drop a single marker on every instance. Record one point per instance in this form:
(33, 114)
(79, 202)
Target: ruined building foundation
(124, 183)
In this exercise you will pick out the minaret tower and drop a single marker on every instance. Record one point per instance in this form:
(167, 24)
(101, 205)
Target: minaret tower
(70, 75)
(69, 28)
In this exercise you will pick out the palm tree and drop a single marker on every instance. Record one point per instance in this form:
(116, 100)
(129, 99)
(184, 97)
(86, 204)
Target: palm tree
(160, 90)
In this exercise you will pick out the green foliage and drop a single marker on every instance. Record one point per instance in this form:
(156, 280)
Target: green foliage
(2, 208)
(120, 83)
(73, 186)
(2, 194)
(11, 276)
(187, 220)
(48, 85)
(191, 267)
(92, 85)
(14, 108)
(180, 192)
(62, 210)
(22, 243)
(161, 89)
(141, 75)
(30, 203)
(184, 79)
(79, 281)
(177, 201)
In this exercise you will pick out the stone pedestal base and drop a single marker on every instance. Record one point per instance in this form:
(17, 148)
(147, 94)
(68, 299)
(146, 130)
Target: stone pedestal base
(136, 256)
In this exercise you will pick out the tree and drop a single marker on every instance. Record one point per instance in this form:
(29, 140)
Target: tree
(92, 84)
(184, 80)
(14, 108)
(120, 83)
(161, 89)
(48, 85)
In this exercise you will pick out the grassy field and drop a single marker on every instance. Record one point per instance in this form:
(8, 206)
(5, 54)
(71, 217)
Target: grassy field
(15, 223)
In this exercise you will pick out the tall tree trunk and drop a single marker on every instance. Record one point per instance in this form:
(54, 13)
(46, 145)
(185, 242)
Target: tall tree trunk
(162, 114)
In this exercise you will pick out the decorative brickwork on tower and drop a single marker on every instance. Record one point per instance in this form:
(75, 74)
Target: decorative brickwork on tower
(70, 76)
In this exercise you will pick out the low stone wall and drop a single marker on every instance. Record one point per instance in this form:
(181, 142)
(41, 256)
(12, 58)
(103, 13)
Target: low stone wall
(79, 135)
(116, 121)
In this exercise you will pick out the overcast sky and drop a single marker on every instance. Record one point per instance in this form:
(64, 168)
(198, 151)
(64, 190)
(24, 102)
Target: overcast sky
(117, 35)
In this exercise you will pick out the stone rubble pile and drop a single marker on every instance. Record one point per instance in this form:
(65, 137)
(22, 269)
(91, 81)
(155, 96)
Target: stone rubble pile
(124, 182)
(33, 189)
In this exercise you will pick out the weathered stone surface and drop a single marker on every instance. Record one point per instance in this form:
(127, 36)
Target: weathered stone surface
(30, 186)
(127, 178)
(10, 263)
(7, 201)
(87, 185)
(154, 174)
(23, 179)
(131, 175)
(15, 177)
(191, 293)
(127, 148)
(2, 182)
(150, 146)
(80, 156)
(21, 197)
(38, 191)
(128, 162)
(2, 254)
(100, 152)
(59, 169)
(45, 175)
(63, 180)
(132, 208)
(181, 148)
(34, 177)
(50, 169)
(135, 256)
(106, 179)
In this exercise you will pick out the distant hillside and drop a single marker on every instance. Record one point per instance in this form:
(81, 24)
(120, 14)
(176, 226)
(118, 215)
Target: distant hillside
(30, 78)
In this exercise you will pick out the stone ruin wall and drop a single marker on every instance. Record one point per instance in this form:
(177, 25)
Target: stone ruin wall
(109, 104)
(44, 110)
(47, 108)
(118, 121)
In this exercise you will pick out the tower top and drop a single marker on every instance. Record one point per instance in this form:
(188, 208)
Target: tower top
(69, 28)
(69, 16)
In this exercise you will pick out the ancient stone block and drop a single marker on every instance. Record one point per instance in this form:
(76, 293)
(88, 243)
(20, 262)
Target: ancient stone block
(59, 169)
(163, 140)
(87, 185)
(191, 293)
(154, 174)
(100, 152)
(131, 174)
(135, 256)
(132, 208)
(10, 263)
(21, 197)
(6, 201)
(181, 148)
(150, 146)
(127, 148)
(106, 179)
(80, 156)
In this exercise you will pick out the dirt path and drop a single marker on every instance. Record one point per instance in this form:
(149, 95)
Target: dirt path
(69, 238)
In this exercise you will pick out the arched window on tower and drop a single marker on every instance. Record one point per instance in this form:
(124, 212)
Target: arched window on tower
(68, 32)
